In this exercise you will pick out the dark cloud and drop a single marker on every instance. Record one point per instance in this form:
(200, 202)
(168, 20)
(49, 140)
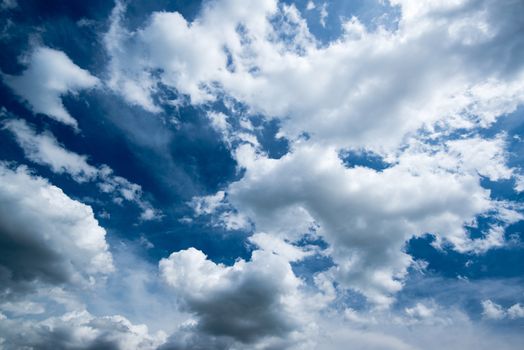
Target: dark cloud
(247, 301)
(78, 330)
(45, 236)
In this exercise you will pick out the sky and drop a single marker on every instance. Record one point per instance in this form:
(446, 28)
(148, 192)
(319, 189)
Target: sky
(262, 174)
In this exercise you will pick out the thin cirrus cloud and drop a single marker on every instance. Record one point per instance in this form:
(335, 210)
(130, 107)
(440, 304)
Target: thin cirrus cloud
(44, 149)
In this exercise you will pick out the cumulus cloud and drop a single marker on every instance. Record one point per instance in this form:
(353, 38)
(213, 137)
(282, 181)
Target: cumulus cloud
(486, 156)
(46, 236)
(516, 311)
(447, 66)
(451, 64)
(44, 149)
(494, 311)
(366, 215)
(78, 330)
(247, 302)
(50, 74)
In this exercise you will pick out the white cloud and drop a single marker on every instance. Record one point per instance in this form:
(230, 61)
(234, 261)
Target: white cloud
(323, 14)
(456, 331)
(123, 189)
(220, 210)
(431, 73)
(78, 330)
(487, 156)
(50, 74)
(22, 308)
(448, 66)
(420, 311)
(423, 74)
(516, 311)
(310, 5)
(247, 302)
(280, 247)
(494, 311)
(46, 236)
(207, 204)
(44, 149)
(134, 85)
(366, 215)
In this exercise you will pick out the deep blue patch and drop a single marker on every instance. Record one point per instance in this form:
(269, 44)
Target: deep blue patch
(363, 158)
(307, 268)
(496, 263)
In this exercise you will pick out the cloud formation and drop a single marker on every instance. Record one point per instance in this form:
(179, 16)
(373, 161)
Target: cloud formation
(366, 215)
(44, 149)
(494, 311)
(246, 302)
(453, 64)
(50, 74)
(77, 330)
(46, 237)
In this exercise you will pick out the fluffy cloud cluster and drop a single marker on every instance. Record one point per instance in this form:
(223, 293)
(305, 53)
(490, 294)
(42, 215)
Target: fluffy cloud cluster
(49, 75)
(494, 311)
(452, 63)
(367, 215)
(77, 330)
(46, 236)
(437, 72)
(44, 149)
(247, 302)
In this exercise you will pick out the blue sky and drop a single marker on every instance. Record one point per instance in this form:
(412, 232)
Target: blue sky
(261, 174)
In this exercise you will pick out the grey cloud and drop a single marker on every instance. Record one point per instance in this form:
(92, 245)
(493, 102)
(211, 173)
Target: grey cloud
(45, 236)
(367, 216)
(191, 339)
(247, 302)
(78, 330)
